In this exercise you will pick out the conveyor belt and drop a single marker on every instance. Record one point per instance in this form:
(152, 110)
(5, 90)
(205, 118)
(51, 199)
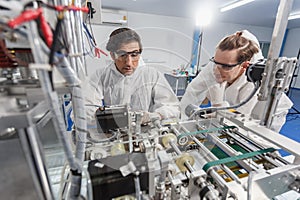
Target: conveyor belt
(235, 158)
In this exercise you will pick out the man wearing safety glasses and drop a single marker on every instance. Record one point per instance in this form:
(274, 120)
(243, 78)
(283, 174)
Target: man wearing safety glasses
(127, 81)
(223, 81)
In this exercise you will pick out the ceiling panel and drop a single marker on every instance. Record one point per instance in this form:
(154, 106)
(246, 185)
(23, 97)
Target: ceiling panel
(258, 13)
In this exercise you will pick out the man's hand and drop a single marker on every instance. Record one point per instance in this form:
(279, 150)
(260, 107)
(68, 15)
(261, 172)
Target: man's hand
(215, 93)
(150, 117)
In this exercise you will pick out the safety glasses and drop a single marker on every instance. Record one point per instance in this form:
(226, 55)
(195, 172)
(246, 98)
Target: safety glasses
(122, 55)
(224, 67)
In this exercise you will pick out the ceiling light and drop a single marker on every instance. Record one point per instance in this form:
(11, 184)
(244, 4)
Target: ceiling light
(204, 15)
(294, 16)
(235, 5)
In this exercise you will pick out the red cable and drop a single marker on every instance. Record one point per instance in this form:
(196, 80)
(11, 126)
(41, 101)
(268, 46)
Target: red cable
(25, 16)
(29, 15)
(71, 8)
(46, 30)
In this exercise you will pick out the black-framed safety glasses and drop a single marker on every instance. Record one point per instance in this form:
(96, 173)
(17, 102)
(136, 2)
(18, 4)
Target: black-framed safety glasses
(122, 55)
(225, 67)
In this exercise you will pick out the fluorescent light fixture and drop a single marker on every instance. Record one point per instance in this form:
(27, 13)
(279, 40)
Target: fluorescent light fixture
(235, 5)
(294, 16)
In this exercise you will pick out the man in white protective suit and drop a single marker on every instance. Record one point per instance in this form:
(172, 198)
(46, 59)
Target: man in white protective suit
(127, 81)
(223, 80)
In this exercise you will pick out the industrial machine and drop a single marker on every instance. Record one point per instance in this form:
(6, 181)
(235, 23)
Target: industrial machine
(227, 156)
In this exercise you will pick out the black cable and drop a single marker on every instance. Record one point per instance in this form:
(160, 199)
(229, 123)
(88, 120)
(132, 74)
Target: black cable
(293, 82)
(56, 45)
(90, 46)
(92, 32)
(256, 87)
(294, 79)
(56, 42)
(250, 69)
(214, 109)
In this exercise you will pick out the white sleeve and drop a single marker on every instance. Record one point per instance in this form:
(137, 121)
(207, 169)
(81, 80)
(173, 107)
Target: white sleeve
(165, 101)
(93, 95)
(282, 110)
(196, 90)
(243, 95)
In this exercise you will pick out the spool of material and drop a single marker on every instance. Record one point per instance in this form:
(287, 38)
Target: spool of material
(180, 161)
(167, 139)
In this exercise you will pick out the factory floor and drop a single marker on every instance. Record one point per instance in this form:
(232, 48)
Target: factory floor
(291, 128)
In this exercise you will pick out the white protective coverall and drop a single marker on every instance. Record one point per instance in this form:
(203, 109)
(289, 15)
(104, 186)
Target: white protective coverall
(238, 91)
(144, 90)
(234, 94)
